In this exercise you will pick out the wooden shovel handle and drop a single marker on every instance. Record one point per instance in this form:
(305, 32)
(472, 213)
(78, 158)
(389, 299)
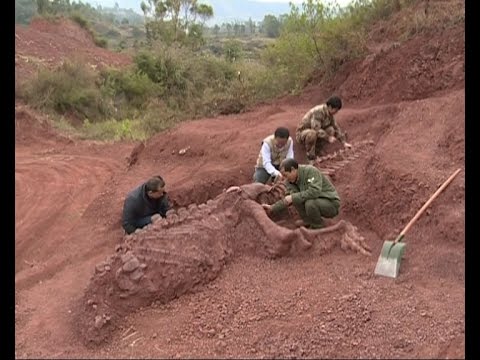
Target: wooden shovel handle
(424, 207)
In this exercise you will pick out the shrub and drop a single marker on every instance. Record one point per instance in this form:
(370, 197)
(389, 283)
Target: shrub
(158, 117)
(113, 130)
(135, 86)
(80, 20)
(69, 88)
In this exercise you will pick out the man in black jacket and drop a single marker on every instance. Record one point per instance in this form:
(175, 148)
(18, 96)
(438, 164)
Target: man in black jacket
(144, 202)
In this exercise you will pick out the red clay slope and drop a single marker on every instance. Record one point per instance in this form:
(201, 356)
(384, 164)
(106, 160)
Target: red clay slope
(47, 44)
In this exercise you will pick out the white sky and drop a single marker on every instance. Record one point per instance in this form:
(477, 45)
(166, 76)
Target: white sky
(339, 2)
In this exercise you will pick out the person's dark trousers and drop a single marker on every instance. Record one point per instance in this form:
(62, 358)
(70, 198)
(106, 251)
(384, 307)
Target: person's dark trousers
(261, 175)
(312, 211)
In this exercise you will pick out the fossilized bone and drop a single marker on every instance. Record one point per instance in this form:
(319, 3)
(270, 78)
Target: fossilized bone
(190, 247)
(328, 164)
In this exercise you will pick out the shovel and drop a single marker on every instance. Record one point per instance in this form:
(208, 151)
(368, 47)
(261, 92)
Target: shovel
(388, 263)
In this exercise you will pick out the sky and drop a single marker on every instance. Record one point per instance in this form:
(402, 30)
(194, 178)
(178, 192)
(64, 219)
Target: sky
(110, 3)
(339, 2)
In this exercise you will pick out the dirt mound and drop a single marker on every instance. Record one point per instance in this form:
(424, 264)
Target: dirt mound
(47, 44)
(31, 128)
(420, 68)
(418, 161)
(416, 68)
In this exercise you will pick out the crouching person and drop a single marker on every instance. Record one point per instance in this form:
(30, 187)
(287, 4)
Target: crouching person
(310, 191)
(143, 202)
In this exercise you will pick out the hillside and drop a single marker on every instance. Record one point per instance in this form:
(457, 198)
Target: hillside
(407, 96)
(46, 44)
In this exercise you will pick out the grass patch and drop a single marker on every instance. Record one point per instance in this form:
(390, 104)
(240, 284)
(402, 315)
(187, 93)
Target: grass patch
(113, 130)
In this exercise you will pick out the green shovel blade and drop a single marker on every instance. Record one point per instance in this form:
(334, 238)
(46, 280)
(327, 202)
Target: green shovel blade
(388, 263)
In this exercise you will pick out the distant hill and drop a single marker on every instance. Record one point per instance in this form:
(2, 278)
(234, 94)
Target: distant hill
(224, 10)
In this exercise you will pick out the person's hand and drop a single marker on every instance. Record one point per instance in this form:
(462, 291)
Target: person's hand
(288, 199)
(278, 178)
(268, 208)
(347, 145)
(331, 139)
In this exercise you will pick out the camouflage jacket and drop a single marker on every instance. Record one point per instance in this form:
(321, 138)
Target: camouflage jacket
(318, 118)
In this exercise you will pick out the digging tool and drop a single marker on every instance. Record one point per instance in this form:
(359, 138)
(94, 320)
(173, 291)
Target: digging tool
(388, 263)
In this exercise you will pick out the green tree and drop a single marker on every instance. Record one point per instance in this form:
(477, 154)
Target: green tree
(171, 20)
(43, 6)
(236, 28)
(233, 50)
(308, 21)
(271, 26)
(229, 27)
(251, 26)
(205, 12)
(216, 30)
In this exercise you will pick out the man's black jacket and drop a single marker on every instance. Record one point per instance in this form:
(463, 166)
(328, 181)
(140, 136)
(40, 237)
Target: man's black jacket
(139, 205)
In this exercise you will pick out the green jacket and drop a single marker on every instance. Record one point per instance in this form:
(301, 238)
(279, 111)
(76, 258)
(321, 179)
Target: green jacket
(311, 184)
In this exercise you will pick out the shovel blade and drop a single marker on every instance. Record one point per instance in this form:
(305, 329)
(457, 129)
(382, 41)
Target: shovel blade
(388, 263)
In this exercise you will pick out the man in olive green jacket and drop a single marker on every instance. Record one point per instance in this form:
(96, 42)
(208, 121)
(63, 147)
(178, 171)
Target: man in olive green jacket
(310, 191)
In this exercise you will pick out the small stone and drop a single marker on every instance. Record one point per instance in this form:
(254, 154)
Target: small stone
(154, 336)
(221, 343)
(98, 322)
(136, 275)
(99, 268)
(131, 265)
(127, 257)
(124, 284)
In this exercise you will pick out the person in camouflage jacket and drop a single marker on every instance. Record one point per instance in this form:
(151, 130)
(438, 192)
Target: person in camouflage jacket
(318, 124)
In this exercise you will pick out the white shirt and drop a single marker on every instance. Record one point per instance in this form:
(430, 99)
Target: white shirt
(267, 158)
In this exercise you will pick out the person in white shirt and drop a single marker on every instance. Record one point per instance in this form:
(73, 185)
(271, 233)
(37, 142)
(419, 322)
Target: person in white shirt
(275, 149)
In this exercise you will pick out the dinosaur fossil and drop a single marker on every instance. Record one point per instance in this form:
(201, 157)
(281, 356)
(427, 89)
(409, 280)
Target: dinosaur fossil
(190, 247)
(330, 163)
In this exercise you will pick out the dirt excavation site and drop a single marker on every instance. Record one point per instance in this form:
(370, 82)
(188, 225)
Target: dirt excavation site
(218, 278)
